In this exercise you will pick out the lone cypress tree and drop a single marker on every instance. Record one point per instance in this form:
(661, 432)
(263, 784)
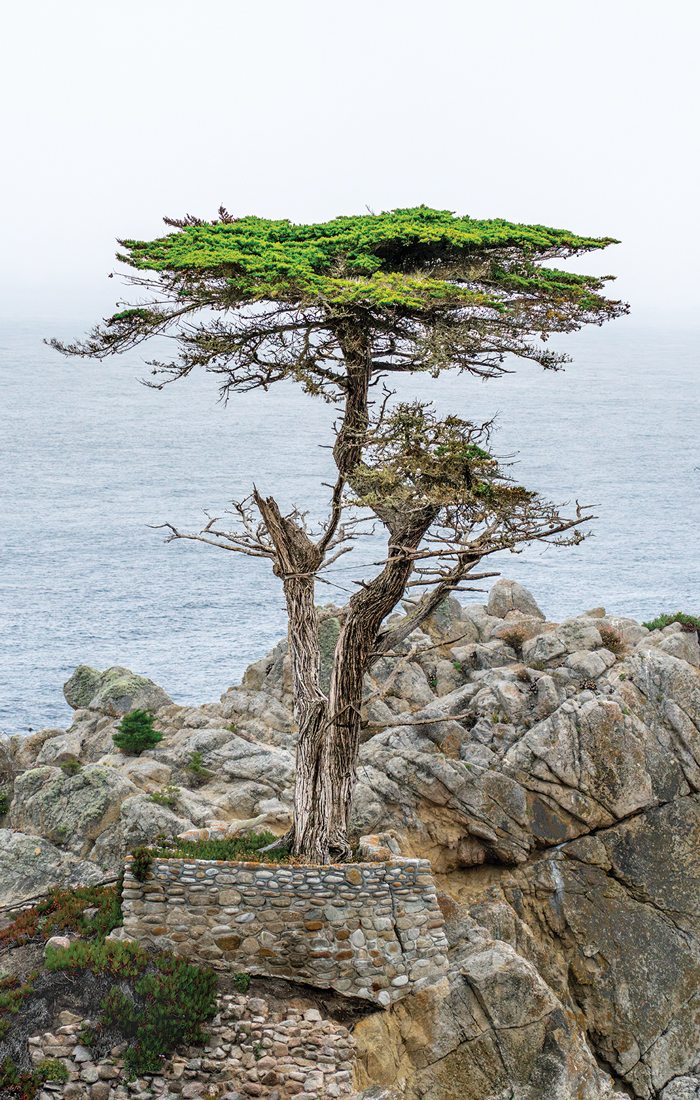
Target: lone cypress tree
(338, 307)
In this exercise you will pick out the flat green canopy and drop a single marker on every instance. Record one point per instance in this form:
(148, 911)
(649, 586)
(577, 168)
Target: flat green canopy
(409, 259)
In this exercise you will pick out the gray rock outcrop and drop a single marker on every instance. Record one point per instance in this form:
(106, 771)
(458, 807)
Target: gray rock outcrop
(115, 691)
(31, 865)
(550, 772)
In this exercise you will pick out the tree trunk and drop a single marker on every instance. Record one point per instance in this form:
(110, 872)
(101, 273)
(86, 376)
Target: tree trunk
(329, 729)
(297, 560)
(353, 657)
(309, 830)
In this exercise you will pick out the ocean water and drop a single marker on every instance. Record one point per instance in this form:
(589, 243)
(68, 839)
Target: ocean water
(89, 459)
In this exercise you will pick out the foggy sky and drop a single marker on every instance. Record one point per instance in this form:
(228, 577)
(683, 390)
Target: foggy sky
(575, 115)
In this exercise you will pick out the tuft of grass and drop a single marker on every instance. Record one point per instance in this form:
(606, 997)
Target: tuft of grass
(71, 766)
(690, 622)
(514, 636)
(246, 848)
(166, 796)
(198, 773)
(242, 982)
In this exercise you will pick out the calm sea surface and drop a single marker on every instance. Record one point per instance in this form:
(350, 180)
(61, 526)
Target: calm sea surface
(89, 458)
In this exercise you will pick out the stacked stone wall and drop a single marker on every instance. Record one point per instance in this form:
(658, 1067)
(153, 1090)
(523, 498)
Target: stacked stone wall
(368, 930)
(253, 1050)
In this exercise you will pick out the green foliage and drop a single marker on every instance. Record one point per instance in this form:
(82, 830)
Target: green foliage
(474, 291)
(166, 796)
(24, 1084)
(141, 862)
(125, 960)
(71, 766)
(413, 461)
(51, 1069)
(63, 911)
(241, 982)
(5, 800)
(136, 733)
(87, 1035)
(401, 259)
(692, 622)
(13, 993)
(166, 1003)
(198, 774)
(246, 848)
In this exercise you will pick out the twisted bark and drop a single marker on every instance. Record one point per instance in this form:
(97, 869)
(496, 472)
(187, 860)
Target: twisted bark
(353, 656)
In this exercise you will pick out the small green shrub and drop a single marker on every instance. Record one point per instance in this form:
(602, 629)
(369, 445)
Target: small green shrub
(141, 862)
(70, 767)
(166, 796)
(5, 800)
(25, 1084)
(87, 1035)
(51, 1069)
(198, 774)
(241, 982)
(136, 733)
(691, 622)
(13, 993)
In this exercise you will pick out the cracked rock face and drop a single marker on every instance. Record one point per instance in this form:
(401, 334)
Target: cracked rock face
(550, 772)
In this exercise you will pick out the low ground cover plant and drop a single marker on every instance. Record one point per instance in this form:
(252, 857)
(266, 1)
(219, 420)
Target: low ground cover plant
(248, 848)
(157, 1003)
(89, 911)
(690, 622)
(24, 1084)
(13, 993)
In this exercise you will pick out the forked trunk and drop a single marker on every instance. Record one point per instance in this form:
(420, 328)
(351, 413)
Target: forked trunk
(352, 659)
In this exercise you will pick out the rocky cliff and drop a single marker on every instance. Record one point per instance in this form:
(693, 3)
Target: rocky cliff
(549, 771)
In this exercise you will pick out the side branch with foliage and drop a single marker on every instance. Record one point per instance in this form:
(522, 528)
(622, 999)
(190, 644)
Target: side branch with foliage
(339, 307)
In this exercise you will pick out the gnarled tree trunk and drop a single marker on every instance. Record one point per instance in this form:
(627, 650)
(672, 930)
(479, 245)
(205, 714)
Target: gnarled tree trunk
(353, 656)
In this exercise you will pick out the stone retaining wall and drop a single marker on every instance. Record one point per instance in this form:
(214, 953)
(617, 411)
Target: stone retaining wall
(253, 1050)
(369, 930)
